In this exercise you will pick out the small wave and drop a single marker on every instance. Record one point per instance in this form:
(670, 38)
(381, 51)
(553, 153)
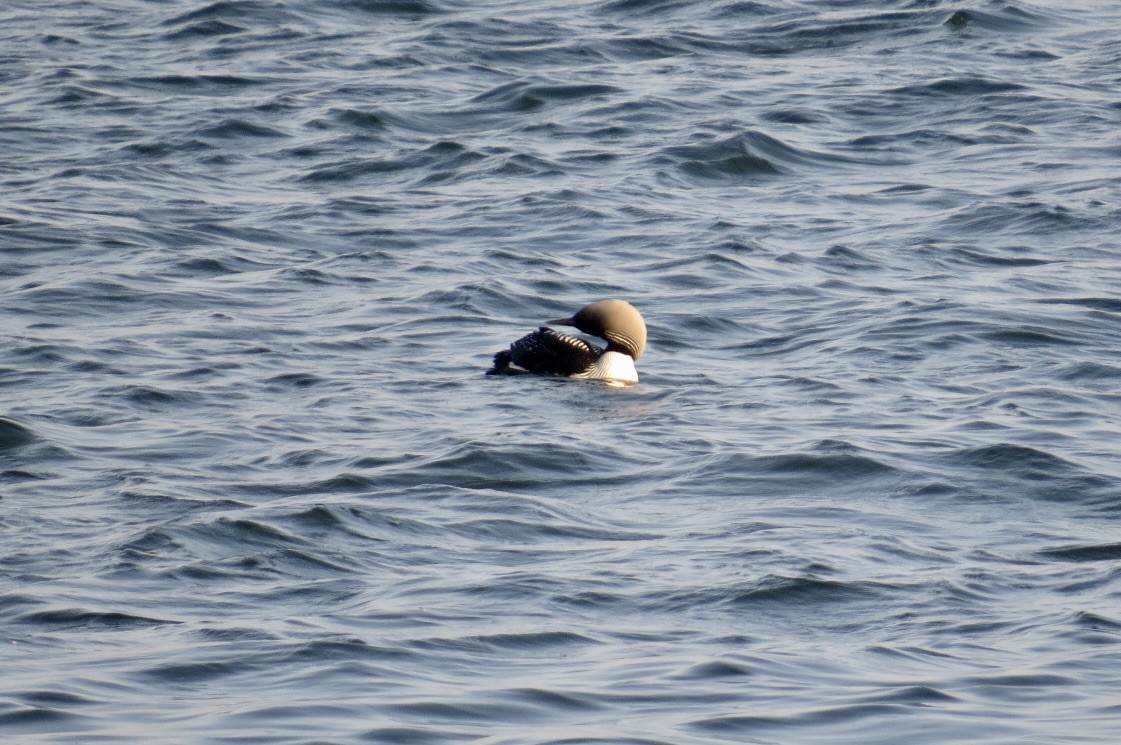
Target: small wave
(150, 397)
(537, 641)
(200, 82)
(645, 8)
(517, 531)
(826, 459)
(610, 740)
(742, 725)
(999, 683)
(475, 712)
(1026, 336)
(415, 736)
(645, 47)
(530, 95)
(18, 474)
(346, 648)
(550, 700)
(571, 91)
(54, 698)
(847, 260)
(792, 116)
(1011, 457)
(82, 618)
(914, 695)
(271, 715)
(988, 257)
(716, 670)
(352, 170)
(741, 158)
(825, 465)
(206, 266)
(193, 672)
(1080, 553)
(774, 592)
(73, 95)
(159, 150)
(740, 167)
(223, 9)
(244, 532)
(114, 295)
(1090, 371)
(206, 29)
(967, 85)
(43, 352)
(363, 120)
(1029, 218)
(149, 542)
(342, 483)
(13, 434)
(1107, 304)
(476, 465)
(295, 380)
(1097, 622)
(1041, 475)
(42, 719)
(53, 39)
(444, 156)
(233, 128)
(389, 7)
(1008, 18)
(747, 157)
(836, 30)
(801, 590)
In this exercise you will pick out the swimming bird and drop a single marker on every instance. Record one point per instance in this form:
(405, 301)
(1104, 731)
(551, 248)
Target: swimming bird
(549, 352)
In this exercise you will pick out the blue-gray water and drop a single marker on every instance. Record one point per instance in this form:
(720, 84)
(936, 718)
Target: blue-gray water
(255, 256)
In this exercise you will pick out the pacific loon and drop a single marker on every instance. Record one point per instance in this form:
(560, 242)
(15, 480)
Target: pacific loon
(548, 352)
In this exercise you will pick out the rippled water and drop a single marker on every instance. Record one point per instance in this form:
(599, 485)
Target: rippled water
(256, 255)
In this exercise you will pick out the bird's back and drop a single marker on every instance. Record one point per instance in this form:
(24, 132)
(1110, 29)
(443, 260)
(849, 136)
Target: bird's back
(548, 352)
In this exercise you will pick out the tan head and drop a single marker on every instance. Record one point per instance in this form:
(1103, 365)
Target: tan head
(617, 321)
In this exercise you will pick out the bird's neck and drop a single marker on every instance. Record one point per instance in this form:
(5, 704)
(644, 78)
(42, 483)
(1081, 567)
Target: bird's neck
(613, 347)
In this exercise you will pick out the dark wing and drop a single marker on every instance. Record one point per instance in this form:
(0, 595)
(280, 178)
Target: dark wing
(547, 352)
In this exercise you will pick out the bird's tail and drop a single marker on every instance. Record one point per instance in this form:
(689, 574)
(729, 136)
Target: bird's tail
(502, 362)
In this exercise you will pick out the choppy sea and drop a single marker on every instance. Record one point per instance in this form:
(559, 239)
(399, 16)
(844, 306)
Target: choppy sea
(255, 256)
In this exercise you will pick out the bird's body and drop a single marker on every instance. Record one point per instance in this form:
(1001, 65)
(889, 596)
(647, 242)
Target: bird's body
(549, 352)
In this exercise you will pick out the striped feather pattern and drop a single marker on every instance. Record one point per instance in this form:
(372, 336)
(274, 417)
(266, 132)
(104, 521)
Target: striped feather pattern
(548, 352)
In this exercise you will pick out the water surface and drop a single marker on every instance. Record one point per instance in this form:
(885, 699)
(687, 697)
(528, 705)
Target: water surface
(256, 255)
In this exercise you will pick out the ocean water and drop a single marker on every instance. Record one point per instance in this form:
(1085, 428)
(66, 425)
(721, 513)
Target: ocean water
(255, 256)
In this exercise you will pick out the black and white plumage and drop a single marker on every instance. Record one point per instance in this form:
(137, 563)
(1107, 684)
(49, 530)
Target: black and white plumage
(549, 352)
